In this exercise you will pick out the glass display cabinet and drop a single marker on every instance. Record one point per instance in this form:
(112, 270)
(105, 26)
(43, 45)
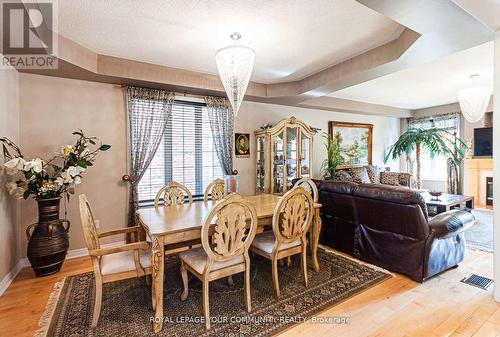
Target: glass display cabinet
(284, 152)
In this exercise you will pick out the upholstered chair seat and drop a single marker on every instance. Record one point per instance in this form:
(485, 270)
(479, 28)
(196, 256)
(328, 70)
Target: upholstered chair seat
(123, 262)
(196, 258)
(266, 241)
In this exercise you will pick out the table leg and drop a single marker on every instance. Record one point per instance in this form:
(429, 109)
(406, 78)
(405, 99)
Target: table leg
(157, 264)
(316, 230)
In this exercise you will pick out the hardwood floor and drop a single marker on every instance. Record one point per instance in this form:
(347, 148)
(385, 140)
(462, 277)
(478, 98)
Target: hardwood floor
(442, 306)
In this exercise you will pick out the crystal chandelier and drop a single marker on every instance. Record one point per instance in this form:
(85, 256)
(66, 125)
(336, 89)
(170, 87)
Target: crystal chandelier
(235, 64)
(474, 101)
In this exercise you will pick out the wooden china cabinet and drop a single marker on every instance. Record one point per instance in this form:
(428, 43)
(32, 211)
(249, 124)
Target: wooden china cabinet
(284, 152)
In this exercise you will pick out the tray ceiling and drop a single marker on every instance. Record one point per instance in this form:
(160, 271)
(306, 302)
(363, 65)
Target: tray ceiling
(292, 38)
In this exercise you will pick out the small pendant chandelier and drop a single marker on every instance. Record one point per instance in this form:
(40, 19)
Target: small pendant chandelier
(474, 101)
(235, 64)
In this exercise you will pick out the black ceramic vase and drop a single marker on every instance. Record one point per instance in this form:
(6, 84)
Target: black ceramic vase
(48, 239)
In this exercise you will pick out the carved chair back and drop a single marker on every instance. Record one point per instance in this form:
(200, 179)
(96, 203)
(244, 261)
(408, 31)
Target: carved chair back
(234, 223)
(173, 194)
(293, 215)
(88, 224)
(309, 186)
(217, 189)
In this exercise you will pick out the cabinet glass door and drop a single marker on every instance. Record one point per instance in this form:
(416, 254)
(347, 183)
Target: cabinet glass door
(278, 163)
(291, 156)
(260, 164)
(305, 156)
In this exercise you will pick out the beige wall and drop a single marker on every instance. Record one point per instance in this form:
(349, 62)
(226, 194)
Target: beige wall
(9, 212)
(53, 107)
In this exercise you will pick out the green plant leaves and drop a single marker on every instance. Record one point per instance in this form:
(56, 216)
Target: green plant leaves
(104, 147)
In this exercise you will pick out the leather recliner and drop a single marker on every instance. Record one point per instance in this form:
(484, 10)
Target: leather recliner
(389, 226)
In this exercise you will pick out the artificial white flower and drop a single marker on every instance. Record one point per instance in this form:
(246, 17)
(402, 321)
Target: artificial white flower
(67, 179)
(77, 180)
(36, 165)
(15, 164)
(59, 181)
(75, 170)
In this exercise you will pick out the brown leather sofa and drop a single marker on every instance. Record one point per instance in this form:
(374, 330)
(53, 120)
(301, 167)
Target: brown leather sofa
(389, 226)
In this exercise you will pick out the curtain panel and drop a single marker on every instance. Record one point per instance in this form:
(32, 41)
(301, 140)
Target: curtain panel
(222, 124)
(149, 111)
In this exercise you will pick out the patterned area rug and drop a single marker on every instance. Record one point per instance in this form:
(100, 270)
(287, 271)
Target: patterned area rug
(127, 311)
(480, 236)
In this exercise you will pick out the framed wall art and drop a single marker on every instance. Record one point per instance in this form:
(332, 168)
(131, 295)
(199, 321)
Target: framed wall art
(242, 145)
(355, 141)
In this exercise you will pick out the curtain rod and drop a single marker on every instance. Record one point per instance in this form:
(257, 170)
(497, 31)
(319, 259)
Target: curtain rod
(185, 94)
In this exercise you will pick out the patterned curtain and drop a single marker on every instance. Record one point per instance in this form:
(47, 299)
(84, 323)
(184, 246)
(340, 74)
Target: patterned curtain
(149, 111)
(222, 123)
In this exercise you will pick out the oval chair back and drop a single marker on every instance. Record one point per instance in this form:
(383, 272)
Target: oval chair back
(88, 224)
(173, 194)
(217, 189)
(309, 185)
(235, 221)
(293, 216)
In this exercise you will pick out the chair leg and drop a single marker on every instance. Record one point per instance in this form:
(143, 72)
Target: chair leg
(185, 284)
(276, 283)
(248, 297)
(97, 303)
(230, 280)
(304, 264)
(206, 309)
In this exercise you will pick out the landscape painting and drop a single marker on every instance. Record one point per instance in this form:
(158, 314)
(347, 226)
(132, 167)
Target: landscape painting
(355, 141)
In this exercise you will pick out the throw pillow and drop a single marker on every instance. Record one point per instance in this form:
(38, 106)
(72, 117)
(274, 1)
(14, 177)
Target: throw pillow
(389, 178)
(343, 176)
(405, 179)
(360, 175)
(373, 173)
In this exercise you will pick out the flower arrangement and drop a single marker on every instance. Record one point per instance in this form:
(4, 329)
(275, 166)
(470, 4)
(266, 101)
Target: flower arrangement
(52, 178)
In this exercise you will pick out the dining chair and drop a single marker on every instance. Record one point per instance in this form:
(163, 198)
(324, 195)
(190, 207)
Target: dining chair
(173, 194)
(226, 253)
(216, 189)
(309, 185)
(292, 218)
(113, 263)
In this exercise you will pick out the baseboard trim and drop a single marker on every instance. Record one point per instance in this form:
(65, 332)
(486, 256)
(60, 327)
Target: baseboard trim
(23, 263)
(7, 280)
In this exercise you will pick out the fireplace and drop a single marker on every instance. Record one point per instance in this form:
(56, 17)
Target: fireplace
(489, 191)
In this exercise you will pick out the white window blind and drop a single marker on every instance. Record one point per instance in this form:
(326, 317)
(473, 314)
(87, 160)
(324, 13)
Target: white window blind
(185, 155)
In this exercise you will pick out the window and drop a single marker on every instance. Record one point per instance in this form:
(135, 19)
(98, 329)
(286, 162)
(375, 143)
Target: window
(435, 168)
(186, 153)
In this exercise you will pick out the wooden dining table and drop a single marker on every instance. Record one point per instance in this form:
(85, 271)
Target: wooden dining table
(181, 223)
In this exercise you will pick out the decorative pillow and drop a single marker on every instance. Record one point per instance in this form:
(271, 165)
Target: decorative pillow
(360, 175)
(405, 179)
(389, 178)
(343, 176)
(373, 173)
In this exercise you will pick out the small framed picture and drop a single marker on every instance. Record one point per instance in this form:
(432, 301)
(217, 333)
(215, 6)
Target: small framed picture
(242, 145)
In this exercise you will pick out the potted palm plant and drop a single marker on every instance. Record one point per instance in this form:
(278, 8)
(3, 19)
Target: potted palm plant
(333, 157)
(47, 181)
(436, 141)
